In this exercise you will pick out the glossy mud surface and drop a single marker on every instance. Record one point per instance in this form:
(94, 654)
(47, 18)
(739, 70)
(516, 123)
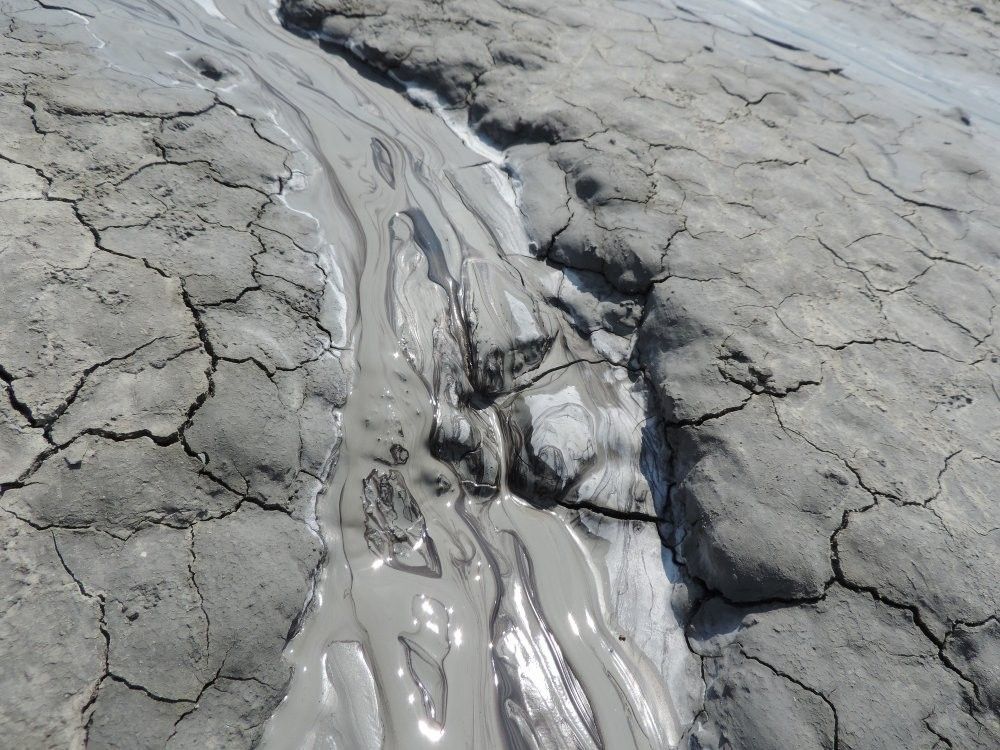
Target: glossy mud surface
(451, 611)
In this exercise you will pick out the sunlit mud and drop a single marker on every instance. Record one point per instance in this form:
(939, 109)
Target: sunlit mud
(494, 575)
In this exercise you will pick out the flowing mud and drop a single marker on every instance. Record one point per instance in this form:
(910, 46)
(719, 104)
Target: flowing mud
(799, 200)
(494, 575)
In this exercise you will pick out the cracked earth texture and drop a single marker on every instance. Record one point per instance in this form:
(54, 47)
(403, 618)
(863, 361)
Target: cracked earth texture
(172, 407)
(798, 255)
(807, 257)
(155, 559)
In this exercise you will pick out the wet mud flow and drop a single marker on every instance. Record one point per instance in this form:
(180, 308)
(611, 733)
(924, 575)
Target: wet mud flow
(460, 603)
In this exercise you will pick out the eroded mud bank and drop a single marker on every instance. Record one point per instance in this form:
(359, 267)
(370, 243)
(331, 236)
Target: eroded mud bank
(797, 201)
(493, 573)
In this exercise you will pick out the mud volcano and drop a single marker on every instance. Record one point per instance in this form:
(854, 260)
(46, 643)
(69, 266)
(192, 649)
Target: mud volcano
(412, 374)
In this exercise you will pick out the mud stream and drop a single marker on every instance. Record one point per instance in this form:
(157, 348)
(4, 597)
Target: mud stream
(463, 602)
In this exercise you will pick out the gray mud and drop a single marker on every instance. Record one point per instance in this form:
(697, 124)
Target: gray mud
(794, 205)
(362, 365)
(172, 364)
(492, 570)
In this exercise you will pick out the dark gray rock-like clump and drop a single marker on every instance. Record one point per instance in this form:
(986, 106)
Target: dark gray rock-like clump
(799, 257)
(395, 529)
(508, 334)
(576, 439)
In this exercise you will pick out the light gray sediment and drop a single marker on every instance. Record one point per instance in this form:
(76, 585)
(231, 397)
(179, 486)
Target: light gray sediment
(290, 231)
(801, 200)
(166, 423)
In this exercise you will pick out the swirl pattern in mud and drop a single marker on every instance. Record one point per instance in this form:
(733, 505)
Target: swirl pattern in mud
(492, 554)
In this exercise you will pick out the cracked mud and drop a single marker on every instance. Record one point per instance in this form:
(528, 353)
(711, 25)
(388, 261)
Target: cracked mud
(637, 389)
(161, 450)
(792, 214)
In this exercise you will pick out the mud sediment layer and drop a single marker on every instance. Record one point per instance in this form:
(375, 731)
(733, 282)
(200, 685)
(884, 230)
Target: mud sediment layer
(171, 372)
(252, 230)
(732, 286)
(806, 239)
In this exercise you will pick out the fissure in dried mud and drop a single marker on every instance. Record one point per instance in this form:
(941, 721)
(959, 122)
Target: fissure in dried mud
(493, 572)
(327, 424)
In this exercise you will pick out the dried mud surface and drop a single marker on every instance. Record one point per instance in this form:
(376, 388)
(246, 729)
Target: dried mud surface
(159, 452)
(678, 429)
(801, 221)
